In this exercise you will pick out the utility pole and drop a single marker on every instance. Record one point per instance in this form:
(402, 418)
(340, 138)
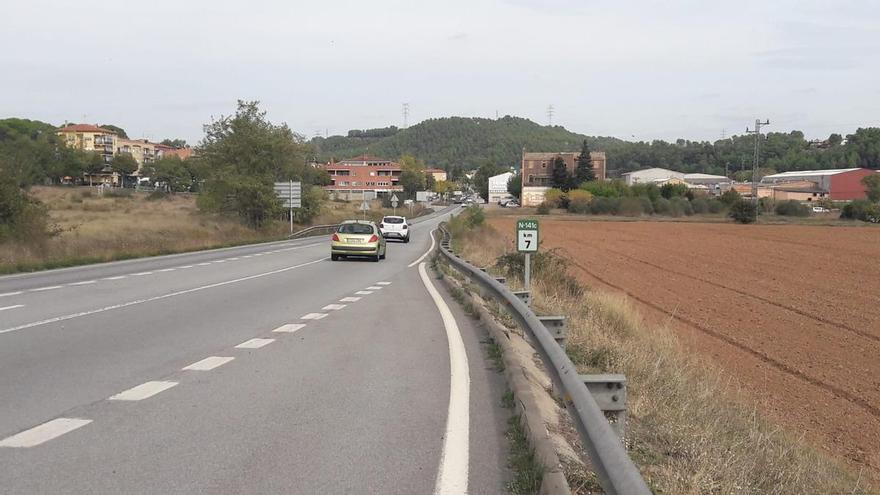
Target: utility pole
(757, 133)
(405, 115)
(550, 115)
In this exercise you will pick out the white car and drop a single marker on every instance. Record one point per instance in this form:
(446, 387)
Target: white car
(820, 209)
(393, 227)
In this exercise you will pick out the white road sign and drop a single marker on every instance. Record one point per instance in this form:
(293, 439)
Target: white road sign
(289, 192)
(527, 236)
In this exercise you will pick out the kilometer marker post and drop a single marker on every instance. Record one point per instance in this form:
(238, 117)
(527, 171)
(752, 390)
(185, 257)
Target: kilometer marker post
(527, 239)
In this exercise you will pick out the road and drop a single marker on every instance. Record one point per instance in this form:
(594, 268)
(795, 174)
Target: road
(258, 369)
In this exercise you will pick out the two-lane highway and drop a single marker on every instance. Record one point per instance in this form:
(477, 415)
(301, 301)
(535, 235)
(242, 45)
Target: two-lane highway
(258, 369)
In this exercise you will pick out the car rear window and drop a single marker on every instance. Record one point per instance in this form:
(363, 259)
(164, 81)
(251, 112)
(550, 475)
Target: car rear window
(393, 219)
(355, 228)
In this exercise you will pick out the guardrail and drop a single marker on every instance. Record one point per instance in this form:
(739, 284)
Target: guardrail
(617, 473)
(314, 230)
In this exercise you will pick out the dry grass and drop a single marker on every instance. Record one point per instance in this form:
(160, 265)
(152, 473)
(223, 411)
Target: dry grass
(690, 430)
(96, 228)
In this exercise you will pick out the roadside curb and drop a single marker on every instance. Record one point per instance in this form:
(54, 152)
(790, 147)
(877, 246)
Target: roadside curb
(553, 481)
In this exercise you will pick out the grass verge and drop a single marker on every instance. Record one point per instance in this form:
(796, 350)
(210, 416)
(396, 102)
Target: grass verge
(691, 429)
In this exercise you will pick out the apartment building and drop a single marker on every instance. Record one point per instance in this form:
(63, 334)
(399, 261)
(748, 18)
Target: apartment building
(89, 137)
(537, 168)
(364, 177)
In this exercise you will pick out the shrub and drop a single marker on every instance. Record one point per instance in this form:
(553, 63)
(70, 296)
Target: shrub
(555, 198)
(700, 205)
(579, 201)
(743, 211)
(22, 218)
(117, 192)
(543, 209)
(647, 206)
(679, 206)
(661, 206)
(670, 190)
(603, 206)
(730, 197)
(602, 189)
(629, 207)
(792, 208)
(651, 191)
(861, 210)
(715, 206)
(766, 205)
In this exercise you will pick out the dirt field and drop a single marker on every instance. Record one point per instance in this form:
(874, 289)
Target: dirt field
(792, 312)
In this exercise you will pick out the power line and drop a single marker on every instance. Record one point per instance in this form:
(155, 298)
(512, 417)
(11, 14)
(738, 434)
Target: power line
(550, 115)
(405, 115)
(757, 133)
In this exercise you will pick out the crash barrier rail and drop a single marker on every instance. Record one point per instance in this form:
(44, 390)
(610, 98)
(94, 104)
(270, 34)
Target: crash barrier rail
(617, 473)
(314, 230)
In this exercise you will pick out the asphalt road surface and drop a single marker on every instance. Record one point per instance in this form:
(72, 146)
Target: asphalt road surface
(259, 369)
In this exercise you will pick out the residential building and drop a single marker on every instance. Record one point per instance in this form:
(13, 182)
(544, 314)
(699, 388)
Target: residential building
(809, 185)
(498, 187)
(364, 177)
(141, 150)
(537, 167)
(89, 137)
(437, 173)
(169, 151)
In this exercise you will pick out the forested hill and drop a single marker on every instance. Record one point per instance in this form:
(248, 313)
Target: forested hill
(466, 142)
(470, 142)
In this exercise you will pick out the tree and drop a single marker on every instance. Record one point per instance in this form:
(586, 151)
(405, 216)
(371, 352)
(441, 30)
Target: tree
(172, 171)
(124, 164)
(584, 170)
(872, 183)
(835, 139)
(743, 211)
(120, 132)
(481, 178)
(243, 155)
(412, 175)
(670, 190)
(174, 143)
(514, 186)
(560, 177)
(442, 187)
(865, 145)
(730, 197)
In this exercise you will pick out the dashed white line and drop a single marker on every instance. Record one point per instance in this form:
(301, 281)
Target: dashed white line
(383, 283)
(118, 277)
(289, 328)
(12, 307)
(208, 363)
(84, 282)
(143, 391)
(11, 293)
(314, 316)
(167, 270)
(220, 261)
(333, 307)
(185, 267)
(44, 432)
(452, 476)
(41, 289)
(157, 298)
(254, 343)
(204, 264)
(374, 287)
(141, 274)
(232, 259)
(350, 299)
(363, 292)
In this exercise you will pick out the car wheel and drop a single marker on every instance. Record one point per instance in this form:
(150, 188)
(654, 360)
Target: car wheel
(376, 258)
(334, 257)
(406, 239)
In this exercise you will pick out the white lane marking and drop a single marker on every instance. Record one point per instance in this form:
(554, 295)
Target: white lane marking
(41, 289)
(333, 307)
(254, 343)
(185, 267)
(4, 308)
(374, 287)
(313, 316)
(203, 264)
(156, 298)
(248, 256)
(258, 254)
(141, 274)
(289, 328)
(416, 262)
(166, 270)
(11, 293)
(208, 363)
(44, 432)
(452, 476)
(383, 283)
(219, 261)
(363, 293)
(118, 277)
(143, 391)
(350, 299)
(84, 282)
(232, 259)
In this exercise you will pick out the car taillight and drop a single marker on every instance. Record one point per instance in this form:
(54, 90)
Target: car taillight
(374, 238)
(335, 238)
(381, 225)
(404, 226)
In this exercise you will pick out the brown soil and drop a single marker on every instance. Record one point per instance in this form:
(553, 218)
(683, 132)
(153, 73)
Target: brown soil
(791, 311)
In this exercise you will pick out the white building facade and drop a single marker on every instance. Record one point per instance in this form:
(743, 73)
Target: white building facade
(498, 187)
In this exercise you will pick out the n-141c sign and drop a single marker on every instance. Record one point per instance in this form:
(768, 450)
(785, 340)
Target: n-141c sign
(527, 236)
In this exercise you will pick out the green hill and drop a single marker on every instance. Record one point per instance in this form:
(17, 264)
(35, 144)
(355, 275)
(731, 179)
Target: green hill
(466, 142)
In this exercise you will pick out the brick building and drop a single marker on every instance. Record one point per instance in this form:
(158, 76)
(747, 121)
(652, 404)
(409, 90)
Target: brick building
(364, 177)
(537, 167)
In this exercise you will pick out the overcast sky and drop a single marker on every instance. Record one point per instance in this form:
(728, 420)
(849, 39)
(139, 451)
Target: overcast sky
(634, 69)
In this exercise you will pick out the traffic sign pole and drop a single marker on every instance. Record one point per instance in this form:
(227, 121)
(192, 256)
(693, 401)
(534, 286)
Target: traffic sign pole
(527, 275)
(527, 240)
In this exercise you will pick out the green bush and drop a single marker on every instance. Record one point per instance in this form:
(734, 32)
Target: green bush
(743, 211)
(603, 189)
(603, 206)
(579, 201)
(700, 205)
(555, 198)
(651, 191)
(716, 206)
(647, 206)
(861, 209)
(670, 191)
(730, 197)
(543, 209)
(661, 206)
(792, 208)
(679, 206)
(629, 207)
(22, 218)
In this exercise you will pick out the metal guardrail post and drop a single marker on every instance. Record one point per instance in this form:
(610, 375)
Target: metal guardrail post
(609, 390)
(557, 327)
(617, 473)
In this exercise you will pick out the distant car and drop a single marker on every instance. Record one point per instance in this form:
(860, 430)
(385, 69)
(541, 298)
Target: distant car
(394, 227)
(820, 209)
(511, 204)
(357, 238)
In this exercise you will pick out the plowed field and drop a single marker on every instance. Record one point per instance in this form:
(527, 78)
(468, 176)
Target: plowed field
(792, 311)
